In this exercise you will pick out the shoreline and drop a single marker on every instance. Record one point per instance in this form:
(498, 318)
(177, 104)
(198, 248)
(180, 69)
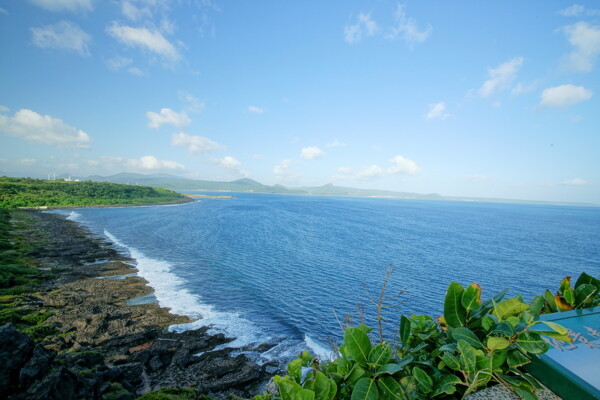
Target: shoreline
(185, 200)
(93, 315)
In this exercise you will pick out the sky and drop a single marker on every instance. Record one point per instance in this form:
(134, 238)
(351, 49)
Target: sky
(466, 98)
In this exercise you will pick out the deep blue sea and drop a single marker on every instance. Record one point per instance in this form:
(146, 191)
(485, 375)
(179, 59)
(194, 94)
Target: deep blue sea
(288, 269)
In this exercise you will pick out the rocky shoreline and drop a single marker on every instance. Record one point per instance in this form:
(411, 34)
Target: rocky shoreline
(102, 347)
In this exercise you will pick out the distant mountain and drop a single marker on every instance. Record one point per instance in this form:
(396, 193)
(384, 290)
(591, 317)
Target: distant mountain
(246, 185)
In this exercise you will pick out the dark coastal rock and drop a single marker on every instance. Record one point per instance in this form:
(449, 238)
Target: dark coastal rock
(106, 348)
(16, 349)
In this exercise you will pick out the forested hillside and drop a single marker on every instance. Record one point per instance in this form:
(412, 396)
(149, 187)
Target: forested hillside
(27, 192)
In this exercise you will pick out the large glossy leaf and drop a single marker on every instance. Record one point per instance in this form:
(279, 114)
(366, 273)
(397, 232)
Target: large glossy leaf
(321, 386)
(451, 361)
(537, 305)
(454, 312)
(550, 302)
(532, 343)
(569, 296)
(471, 297)
(404, 330)
(304, 394)
(365, 389)
(584, 295)
(488, 304)
(504, 328)
(355, 374)
(509, 307)
(390, 389)
(558, 328)
(516, 358)
(294, 369)
(466, 356)
(498, 358)
(467, 335)
(484, 370)
(357, 344)
(379, 355)
(497, 343)
(587, 279)
(287, 388)
(332, 389)
(423, 379)
(447, 384)
(388, 369)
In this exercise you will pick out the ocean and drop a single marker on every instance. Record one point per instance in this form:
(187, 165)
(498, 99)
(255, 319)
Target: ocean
(288, 270)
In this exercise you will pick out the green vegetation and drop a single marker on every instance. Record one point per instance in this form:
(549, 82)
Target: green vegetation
(474, 344)
(174, 394)
(27, 192)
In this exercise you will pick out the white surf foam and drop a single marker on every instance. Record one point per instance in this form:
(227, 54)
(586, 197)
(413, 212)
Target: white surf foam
(74, 216)
(323, 352)
(169, 292)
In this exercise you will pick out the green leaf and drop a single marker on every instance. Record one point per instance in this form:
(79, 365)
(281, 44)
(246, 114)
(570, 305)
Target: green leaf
(484, 370)
(355, 374)
(357, 344)
(516, 359)
(404, 361)
(467, 335)
(504, 328)
(454, 312)
(304, 394)
(321, 386)
(532, 343)
(447, 384)
(466, 356)
(497, 343)
(294, 369)
(498, 358)
(569, 296)
(471, 297)
(561, 330)
(390, 389)
(550, 302)
(487, 322)
(423, 379)
(537, 305)
(379, 355)
(565, 284)
(585, 294)
(509, 307)
(525, 393)
(587, 279)
(365, 389)
(332, 389)
(287, 387)
(451, 361)
(388, 369)
(555, 335)
(404, 330)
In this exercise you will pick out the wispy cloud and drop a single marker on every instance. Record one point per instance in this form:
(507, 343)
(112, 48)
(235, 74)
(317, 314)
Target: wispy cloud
(195, 144)
(284, 170)
(65, 5)
(364, 26)
(564, 96)
(43, 129)
(577, 10)
(256, 110)
(406, 28)
(585, 39)
(150, 40)
(500, 77)
(145, 163)
(575, 182)
(402, 165)
(167, 116)
(312, 153)
(336, 143)
(231, 165)
(438, 111)
(63, 35)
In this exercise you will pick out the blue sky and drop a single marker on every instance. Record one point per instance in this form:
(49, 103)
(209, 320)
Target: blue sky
(469, 98)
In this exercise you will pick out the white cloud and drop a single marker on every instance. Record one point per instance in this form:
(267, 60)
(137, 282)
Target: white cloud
(404, 166)
(438, 111)
(363, 26)
(195, 144)
(43, 129)
(193, 104)
(336, 143)
(118, 63)
(501, 77)
(575, 182)
(255, 110)
(346, 170)
(231, 164)
(63, 35)
(586, 42)
(283, 169)
(4, 109)
(311, 153)
(406, 28)
(152, 41)
(28, 161)
(522, 89)
(368, 173)
(577, 10)
(65, 5)
(167, 116)
(136, 71)
(564, 96)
